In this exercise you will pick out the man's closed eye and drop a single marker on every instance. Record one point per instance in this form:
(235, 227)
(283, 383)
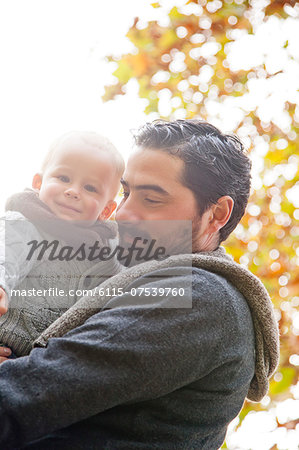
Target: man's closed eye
(149, 200)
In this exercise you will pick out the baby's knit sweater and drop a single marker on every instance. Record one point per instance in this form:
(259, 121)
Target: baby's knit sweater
(40, 291)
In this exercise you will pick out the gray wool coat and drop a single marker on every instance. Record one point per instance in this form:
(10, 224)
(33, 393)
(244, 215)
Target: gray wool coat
(140, 375)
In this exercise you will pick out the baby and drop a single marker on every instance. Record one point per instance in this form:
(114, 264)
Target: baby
(72, 197)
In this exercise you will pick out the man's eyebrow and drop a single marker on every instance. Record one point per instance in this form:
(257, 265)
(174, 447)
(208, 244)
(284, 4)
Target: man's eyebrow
(152, 187)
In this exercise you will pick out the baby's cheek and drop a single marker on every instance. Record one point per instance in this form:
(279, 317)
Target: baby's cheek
(96, 207)
(50, 190)
(45, 195)
(49, 193)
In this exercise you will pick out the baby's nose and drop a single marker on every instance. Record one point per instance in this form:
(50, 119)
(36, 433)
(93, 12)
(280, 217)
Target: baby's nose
(72, 193)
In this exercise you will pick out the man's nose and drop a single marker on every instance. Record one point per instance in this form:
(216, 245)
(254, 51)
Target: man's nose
(72, 192)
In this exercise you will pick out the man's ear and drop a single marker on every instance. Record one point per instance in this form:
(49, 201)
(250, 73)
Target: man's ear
(109, 208)
(37, 181)
(221, 212)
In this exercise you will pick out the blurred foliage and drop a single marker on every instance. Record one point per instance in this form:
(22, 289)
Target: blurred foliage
(183, 70)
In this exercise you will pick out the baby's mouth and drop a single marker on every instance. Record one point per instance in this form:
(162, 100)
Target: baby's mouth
(69, 208)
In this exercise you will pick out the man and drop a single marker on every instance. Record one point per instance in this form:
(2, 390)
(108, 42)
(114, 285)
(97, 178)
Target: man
(145, 374)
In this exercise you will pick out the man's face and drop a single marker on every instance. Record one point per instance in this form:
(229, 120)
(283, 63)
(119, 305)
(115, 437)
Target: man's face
(153, 191)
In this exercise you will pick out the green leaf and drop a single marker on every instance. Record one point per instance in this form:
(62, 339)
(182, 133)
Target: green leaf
(124, 72)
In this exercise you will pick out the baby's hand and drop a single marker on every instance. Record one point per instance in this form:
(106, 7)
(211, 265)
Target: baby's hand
(5, 352)
(3, 302)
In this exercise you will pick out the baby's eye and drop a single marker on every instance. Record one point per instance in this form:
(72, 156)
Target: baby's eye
(63, 178)
(90, 188)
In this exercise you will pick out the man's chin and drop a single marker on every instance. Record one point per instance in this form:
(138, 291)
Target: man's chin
(173, 236)
(130, 235)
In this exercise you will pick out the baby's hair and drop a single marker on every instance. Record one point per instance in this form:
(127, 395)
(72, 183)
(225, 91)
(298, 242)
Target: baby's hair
(93, 139)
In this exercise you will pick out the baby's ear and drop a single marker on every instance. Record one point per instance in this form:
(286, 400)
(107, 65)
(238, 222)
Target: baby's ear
(37, 181)
(108, 210)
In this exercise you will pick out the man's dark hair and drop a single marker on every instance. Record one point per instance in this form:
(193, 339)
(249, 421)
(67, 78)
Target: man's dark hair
(215, 163)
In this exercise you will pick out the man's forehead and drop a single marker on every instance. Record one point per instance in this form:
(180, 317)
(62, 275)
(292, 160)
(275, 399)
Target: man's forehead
(147, 166)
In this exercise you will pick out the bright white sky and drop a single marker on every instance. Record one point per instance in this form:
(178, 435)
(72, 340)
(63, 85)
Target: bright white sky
(52, 79)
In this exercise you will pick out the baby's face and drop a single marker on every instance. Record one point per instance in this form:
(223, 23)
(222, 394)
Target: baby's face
(78, 181)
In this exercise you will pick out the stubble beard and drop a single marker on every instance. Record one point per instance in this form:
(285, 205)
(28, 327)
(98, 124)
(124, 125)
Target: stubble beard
(201, 240)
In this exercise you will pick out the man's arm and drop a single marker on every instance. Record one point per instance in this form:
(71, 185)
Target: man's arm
(121, 355)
